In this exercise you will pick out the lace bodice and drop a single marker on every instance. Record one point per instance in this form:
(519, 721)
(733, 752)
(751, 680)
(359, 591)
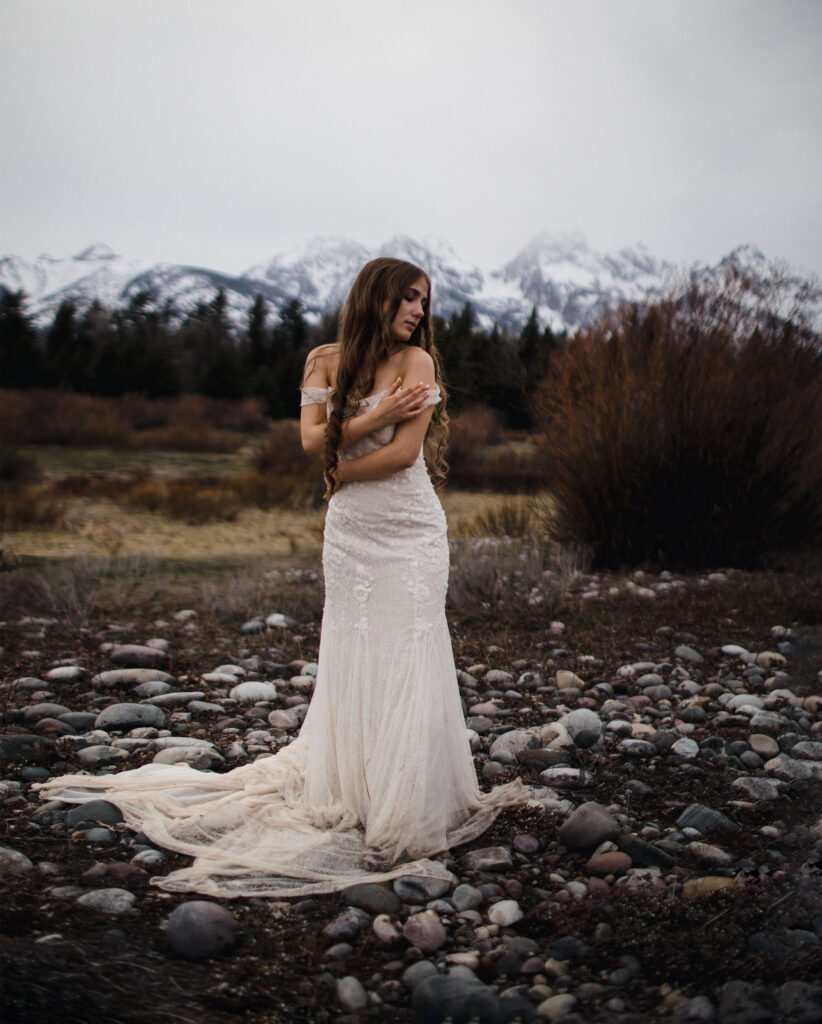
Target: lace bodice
(374, 440)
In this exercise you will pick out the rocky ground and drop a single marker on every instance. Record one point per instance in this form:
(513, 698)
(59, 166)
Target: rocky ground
(669, 867)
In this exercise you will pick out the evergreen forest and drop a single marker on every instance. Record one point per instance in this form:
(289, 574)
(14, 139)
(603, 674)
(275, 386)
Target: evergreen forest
(143, 349)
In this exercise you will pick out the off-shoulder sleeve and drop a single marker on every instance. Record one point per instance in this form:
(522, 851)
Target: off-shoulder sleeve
(433, 397)
(313, 396)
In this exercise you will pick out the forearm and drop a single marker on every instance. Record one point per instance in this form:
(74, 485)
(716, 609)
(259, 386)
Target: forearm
(379, 464)
(353, 428)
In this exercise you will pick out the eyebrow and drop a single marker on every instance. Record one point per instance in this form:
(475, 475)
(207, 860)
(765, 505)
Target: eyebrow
(418, 291)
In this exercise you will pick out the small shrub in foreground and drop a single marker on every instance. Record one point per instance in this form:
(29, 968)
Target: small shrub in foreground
(687, 434)
(505, 575)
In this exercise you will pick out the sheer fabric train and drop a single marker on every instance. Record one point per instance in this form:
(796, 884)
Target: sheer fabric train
(380, 778)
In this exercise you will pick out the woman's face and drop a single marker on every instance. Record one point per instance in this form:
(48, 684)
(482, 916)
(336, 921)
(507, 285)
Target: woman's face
(411, 310)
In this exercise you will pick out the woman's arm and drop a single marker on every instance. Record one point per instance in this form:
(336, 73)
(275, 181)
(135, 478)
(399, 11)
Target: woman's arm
(401, 452)
(398, 404)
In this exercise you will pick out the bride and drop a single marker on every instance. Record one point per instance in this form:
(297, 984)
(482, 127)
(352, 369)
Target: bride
(380, 779)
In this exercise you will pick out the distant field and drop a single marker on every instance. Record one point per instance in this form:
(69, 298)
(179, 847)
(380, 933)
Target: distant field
(101, 527)
(62, 460)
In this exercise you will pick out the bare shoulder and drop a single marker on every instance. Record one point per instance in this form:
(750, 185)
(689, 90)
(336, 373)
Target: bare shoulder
(321, 366)
(418, 364)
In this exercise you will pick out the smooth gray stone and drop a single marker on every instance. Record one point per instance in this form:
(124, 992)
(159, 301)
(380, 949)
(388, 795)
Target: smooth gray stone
(99, 755)
(686, 653)
(489, 858)
(467, 897)
(461, 999)
(80, 721)
(98, 812)
(12, 862)
(138, 656)
(35, 712)
(153, 688)
(376, 899)
(98, 834)
(588, 826)
(124, 717)
(351, 995)
(756, 788)
(177, 698)
(418, 972)
(706, 819)
(199, 930)
(131, 677)
(417, 889)
(112, 901)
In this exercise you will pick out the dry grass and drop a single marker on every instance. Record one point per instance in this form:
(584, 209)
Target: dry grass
(506, 576)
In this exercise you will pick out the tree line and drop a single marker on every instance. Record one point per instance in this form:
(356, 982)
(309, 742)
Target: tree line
(141, 348)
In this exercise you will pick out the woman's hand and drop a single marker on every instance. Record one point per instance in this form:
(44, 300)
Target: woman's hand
(399, 404)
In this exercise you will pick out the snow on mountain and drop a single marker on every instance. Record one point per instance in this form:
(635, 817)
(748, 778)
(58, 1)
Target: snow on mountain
(567, 282)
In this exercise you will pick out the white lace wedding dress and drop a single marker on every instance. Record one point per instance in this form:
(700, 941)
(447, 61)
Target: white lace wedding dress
(380, 778)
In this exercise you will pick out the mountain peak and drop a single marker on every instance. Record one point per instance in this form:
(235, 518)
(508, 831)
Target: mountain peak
(96, 251)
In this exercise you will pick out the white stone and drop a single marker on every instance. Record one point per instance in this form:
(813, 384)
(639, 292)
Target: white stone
(505, 913)
(253, 691)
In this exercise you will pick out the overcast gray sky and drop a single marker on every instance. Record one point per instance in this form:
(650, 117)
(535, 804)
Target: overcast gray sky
(220, 132)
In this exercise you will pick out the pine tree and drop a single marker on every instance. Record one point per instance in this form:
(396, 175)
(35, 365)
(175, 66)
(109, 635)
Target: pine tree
(21, 358)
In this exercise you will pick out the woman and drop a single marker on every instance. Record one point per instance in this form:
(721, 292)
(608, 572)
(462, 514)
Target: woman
(381, 777)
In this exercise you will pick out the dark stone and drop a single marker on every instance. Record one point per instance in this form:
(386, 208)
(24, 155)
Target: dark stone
(782, 942)
(744, 1003)
(706, 819)
(462, 999)
(80, 721)
(199, 930)
(569, 947)
(32, 774)
(642, 854)
(376, 899)
(97, 812)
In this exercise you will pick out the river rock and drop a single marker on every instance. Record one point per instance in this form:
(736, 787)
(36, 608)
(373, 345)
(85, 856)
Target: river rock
(98, 812)
(505, 913)
(254, 690)
(99, 755)
(489, 858)
(351, 995)
(425, 931)
(138, 656)
(122, 717)
(108, 901)
(376, 899)
(200, 930)
(588, 826)
(203, 759)
(12, 862)
(130, 677)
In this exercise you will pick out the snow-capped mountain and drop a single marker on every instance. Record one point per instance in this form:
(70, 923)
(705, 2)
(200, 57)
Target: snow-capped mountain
(567, 282)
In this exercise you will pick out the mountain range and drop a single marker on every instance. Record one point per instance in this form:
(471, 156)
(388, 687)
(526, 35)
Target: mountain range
(561, 276)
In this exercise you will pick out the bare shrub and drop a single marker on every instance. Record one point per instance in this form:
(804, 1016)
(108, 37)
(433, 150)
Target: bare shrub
(76, 590)
(504, 575)
(187, 423)
(282, 472)
(687, 433)
(480, 458)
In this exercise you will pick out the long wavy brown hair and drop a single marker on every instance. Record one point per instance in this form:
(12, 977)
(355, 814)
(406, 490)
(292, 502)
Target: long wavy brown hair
(364, 339)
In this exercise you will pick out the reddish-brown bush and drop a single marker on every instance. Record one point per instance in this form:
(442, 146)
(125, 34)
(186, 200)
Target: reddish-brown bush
(687, 433)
